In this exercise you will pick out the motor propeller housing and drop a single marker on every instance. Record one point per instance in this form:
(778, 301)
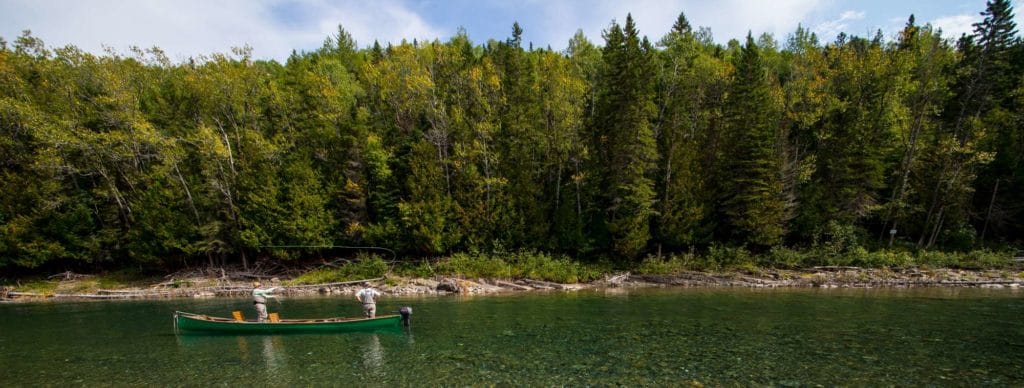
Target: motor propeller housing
(406, 313)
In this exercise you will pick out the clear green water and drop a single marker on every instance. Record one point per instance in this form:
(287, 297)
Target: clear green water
(650, 337)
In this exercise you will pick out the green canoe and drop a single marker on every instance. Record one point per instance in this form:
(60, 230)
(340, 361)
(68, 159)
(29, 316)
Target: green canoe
(196, 323)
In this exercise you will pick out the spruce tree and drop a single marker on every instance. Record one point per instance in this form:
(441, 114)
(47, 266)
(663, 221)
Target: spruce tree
(624, 142)
(1001, 183)
(751, 196)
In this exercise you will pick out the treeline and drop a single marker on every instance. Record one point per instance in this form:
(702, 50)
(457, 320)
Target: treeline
(617, 150)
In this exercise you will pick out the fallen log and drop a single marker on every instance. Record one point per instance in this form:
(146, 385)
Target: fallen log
(684, 278)
(831, 268)
(502, 283)
(618, 279)
(543, 284)
(121, 292)
(68, 275)
(95, 296)
(760, 281)
(15, 294)
(334, 284)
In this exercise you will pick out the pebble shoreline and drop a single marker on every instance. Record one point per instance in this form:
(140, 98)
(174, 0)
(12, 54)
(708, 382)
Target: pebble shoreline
(819, 278)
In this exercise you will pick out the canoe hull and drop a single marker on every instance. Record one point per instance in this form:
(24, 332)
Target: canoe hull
(200, 324)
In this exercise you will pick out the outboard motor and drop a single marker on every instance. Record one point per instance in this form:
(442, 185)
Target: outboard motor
(406, 313)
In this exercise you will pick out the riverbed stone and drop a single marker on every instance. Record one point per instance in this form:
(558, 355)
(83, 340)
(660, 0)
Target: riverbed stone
(448, 285)
(430, 283)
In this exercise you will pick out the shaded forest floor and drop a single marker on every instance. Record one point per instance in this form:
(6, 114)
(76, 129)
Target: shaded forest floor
(226, 282)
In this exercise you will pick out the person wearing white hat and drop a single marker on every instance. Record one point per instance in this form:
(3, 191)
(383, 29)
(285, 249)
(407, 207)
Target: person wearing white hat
(259, 299)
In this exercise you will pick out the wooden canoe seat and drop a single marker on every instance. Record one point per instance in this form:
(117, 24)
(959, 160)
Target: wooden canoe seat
(238, 316)
(274, 317)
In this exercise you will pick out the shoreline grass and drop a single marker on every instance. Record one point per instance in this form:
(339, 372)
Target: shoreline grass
(563, 269)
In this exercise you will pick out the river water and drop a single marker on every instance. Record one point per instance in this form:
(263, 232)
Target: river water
(629, 337)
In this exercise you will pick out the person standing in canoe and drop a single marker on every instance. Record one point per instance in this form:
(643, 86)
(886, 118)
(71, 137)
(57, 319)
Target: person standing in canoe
(259, 299)
(368, 297)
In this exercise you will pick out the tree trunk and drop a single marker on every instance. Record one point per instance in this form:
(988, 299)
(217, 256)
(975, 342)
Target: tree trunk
(188, 194)
(988, 215)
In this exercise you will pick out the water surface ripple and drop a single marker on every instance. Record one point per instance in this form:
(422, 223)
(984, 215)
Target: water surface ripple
(628, 337)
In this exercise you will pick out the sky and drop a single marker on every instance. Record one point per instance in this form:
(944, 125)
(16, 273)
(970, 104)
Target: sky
(274, 28)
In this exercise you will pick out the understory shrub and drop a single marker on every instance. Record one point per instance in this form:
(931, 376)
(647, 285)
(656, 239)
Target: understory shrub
(673, 264)
(721, 257)
(364, 267)
(516, 265)
(783, 257)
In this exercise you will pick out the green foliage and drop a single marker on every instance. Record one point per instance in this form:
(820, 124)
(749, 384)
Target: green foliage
(366, 267)
(882, 259)
(517, 265)
(721, 257)
(751, 193)
(415, 269)
(442, 148)
(673, 264)
(785, 258)
(624, 141)
(835, 239)
(985, 259)
(44, 287)
(122, 279)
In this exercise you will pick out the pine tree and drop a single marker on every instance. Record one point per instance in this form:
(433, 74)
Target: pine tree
(751, 196)
(1000, 184)
(624, 141)
(682, 26)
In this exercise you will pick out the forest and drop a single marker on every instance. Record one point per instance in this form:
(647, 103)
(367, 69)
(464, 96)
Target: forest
(614, 150)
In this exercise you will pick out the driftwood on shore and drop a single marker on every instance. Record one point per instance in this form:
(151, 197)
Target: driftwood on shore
(517, 287)
(68, 275)
(334, 284)
(834, 268)
(543, 284)
(821, 277)
(161, 291)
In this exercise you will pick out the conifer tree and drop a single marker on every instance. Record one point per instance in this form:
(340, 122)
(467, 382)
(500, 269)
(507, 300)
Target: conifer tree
(1000, 183)
(624, 141)
(751, 196)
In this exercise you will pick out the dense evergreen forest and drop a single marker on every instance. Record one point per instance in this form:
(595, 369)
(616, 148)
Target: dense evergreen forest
(613, 151)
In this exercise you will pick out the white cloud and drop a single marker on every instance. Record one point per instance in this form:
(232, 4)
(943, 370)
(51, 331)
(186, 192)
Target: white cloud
(273, 28)
(831, 28)
(383, 21)
(193, 27)
(1018, 14)
(954, 26)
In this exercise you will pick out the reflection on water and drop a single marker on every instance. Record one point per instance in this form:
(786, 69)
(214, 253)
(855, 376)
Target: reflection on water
(410, 339)
(273, 354)
(373, 356)
(243, 348)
